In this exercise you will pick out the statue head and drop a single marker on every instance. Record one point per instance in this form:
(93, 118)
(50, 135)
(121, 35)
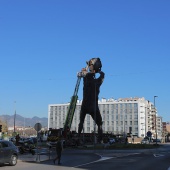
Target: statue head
(94, 64)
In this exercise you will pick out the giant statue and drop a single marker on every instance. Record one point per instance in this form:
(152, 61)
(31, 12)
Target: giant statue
(91, 90)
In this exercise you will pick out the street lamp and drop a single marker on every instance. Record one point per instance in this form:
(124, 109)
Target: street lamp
(14, 117)
(155, 119)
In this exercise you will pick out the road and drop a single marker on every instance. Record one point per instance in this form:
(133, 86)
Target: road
(139, 161)
(156, 159)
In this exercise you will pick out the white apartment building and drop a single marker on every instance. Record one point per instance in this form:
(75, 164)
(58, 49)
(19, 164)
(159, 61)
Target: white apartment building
(120, 116)
(159, 127)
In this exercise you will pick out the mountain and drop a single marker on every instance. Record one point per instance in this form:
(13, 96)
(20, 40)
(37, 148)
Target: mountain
(22, 121)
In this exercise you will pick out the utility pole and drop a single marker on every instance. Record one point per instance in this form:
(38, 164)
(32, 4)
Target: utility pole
(155, 119)
(14, 115)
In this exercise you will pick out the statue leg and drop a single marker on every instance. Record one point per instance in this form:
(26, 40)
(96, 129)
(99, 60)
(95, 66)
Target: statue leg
(82, 117)
(99, 123)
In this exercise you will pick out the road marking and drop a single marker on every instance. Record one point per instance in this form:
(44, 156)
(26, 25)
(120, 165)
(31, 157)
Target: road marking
(101, 159)
(158, 155)
(128, 154)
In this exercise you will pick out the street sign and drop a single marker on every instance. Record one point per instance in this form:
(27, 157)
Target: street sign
(37, 126)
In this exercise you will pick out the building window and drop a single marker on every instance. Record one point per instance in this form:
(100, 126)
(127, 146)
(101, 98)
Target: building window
(135, 105)
(125, 116)
(121, 117)
(125, 105)
(88, 129)
(135, 123)
(135, 116)
(130, 105)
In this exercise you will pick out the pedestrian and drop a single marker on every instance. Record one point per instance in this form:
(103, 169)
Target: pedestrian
(132, 139)
(58, 151)
(126, 140)
(17, 139)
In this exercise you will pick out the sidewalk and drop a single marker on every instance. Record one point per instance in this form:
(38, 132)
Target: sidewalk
(33, 158)
(42, 155)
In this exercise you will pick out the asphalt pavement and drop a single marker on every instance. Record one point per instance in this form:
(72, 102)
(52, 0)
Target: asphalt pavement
(44, 154)
(41, 154)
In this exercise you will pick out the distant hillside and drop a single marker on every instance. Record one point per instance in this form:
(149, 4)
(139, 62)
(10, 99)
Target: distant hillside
(21, 121)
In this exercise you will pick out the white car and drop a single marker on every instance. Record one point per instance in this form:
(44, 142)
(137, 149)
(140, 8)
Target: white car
(12, 139)
(145, 141)
(112, 140)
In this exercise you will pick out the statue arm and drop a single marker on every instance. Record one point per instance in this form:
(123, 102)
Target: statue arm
(101, 78)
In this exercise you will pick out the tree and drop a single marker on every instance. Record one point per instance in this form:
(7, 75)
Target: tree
(4, 127)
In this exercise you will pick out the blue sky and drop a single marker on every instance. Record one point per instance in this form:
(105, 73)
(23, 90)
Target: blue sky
(43, 44)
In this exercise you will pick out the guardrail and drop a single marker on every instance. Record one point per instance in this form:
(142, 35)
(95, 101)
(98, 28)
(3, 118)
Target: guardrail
(42, 151)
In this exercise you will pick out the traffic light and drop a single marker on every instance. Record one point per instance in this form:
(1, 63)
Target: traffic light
(0, 128)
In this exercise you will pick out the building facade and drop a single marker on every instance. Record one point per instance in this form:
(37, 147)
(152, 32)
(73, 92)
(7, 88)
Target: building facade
(122, 116)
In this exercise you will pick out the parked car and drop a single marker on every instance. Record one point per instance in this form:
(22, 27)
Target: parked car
(34, 140)
(12, 139)
(111, 140)
(145, 141)
(8, 152)
(158, 140)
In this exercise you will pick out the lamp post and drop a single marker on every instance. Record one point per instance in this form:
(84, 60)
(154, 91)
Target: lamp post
(14, 116)
(155, 119)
